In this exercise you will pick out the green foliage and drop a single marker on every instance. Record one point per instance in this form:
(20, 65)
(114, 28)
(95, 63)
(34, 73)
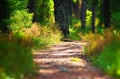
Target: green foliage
(116, 19)
(16, 56)
(75, 23)
(73, 34)
(19, 20)
(17, 5)
(40, 43)
(88, 17)
(74, 1)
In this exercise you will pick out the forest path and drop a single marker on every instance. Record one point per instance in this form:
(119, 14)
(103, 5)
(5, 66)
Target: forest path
(66, 61)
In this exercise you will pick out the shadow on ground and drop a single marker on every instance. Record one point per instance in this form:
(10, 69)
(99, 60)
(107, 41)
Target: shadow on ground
(65, 61)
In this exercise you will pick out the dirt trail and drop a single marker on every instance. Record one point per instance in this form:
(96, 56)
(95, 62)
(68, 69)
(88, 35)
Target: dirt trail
(66, 61)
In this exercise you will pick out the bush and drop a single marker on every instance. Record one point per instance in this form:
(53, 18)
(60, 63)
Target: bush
(95, 43)
(43, 36)
(48, 35)
(16, 56)
(104, 50)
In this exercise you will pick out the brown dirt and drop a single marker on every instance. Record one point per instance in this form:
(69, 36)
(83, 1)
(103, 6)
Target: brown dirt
(66, 61)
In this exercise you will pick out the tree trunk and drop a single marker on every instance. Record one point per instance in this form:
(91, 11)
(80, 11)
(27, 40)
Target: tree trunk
(93, 17)
(62, 15)
(83, 14)
(106, 13)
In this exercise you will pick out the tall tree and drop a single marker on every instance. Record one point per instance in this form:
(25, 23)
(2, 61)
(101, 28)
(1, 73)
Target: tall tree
(83, 14)
(62, 15)
(94, 6)
(106, 13)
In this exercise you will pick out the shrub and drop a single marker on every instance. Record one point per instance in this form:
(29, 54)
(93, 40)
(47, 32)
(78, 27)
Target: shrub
(43, 36)
(95, 43)
(16, 56)
(104, 50)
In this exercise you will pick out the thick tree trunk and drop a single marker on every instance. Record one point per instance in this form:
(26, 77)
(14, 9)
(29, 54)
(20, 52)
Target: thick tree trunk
(62, 15)
(83, 14)
(106, 13)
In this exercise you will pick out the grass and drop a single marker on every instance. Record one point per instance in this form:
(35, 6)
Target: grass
(104, 50)
(109, 59)
(16, 56)
(46, 35)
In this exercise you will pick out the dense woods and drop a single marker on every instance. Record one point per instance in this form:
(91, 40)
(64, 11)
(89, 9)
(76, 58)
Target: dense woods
(27, 25)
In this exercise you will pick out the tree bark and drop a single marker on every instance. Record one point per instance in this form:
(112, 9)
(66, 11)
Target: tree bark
(62, 15)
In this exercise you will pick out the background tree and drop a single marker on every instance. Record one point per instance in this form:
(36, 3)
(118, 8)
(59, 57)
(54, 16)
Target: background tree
(106, 13)
(94, 6)
(83, 14)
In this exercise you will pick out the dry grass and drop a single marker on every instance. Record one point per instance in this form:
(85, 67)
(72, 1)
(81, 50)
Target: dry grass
(97, 42)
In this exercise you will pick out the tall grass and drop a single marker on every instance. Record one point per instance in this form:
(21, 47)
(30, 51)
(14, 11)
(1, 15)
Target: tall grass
(109, 59)
(95, 43)
(104, 50)
(44, 35)
(15, 56)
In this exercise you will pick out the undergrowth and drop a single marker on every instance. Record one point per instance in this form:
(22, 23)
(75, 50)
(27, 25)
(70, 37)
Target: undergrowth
(16, 58)
(16, 49)
(109, 59)
(46, 35)
(104, 50)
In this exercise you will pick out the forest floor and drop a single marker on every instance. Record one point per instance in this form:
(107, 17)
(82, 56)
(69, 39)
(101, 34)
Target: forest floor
(66, 60)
